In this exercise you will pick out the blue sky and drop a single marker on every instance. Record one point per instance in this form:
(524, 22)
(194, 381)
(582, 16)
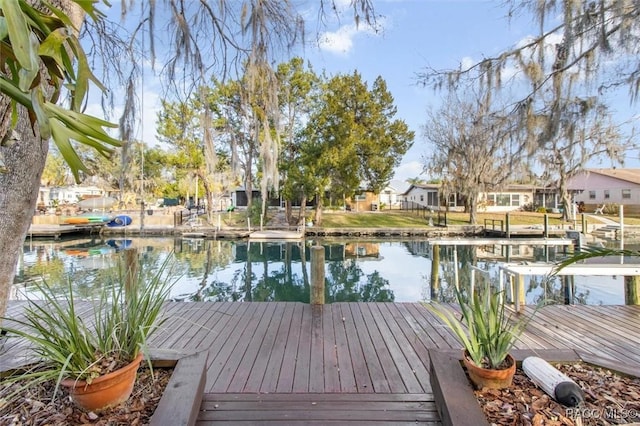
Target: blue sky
(413, 34)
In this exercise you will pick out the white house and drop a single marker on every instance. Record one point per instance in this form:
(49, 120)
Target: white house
(392, 195)
(597, 187)
(509, 198)
(67, 194)
(425, 195)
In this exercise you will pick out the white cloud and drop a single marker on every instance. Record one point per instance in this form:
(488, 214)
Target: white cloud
(338, 42)
(408, 170)
(341, 41)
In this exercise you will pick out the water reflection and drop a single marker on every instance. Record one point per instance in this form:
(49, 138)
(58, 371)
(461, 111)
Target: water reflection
(355, 271)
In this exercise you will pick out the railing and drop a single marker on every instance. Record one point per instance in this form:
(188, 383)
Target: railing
(490, 224)
(435, 217)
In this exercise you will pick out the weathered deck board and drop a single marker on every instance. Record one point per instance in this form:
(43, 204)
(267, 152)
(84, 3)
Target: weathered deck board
(311, 408)
(292, 363)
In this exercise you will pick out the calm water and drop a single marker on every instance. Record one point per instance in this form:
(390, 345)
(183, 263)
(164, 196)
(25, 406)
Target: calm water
(399, 271)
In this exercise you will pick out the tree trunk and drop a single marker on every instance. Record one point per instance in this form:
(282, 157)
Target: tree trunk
(24, 154)
(473, 210)
(288, 212)
(248, 190)
(24, 159)
(318, 214)
(303, 210)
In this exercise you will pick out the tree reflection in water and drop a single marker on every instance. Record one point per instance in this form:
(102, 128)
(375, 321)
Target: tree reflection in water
(355, 271)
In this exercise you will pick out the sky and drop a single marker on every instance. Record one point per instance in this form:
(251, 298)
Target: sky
(413, 35)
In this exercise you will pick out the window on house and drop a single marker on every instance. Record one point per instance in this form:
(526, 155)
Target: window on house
(515, 200)
(503, 199)
(432, 198)
(360, 197)
(592, 195)
(421, 197)
(626, 194)
(607, 194)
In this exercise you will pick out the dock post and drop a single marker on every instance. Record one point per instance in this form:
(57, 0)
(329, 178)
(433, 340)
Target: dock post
(435, 272)
(520, 294)
(632, 290)
(317, 275)
(507, 225)
(584, 223)
(131, 268)
(546, 225)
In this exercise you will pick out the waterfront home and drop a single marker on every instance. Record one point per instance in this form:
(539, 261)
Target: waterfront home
(602, 187)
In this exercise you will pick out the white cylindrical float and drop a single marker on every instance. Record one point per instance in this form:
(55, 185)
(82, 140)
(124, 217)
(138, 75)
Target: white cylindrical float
(556, 384)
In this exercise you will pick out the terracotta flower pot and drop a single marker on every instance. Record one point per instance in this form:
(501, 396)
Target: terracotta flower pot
(105, 391)
(488, 378)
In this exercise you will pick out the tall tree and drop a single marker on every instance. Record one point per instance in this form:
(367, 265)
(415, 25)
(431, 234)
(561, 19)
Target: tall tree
(298, 85)
(354, 138)
(472, 149)
(593, 49)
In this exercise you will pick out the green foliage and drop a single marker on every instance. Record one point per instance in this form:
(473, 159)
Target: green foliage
(488, 333)
(33, 39)
(255, 212)
(124, 318)
(352, 137)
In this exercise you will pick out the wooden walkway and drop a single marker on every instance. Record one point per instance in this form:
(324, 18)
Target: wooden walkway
(292, 363)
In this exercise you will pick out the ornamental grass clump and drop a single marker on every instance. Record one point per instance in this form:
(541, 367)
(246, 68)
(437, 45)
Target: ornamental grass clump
(486, 332)
(126, 312)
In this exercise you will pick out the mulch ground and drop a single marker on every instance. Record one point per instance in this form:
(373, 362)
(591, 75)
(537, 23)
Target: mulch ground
(610, 399)
(34, 406)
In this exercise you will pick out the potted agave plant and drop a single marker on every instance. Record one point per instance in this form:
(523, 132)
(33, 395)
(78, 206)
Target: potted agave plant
(487, 334)
(96, 360)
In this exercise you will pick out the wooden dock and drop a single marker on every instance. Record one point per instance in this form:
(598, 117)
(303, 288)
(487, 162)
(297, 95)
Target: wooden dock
(346, 363)
(56, 231)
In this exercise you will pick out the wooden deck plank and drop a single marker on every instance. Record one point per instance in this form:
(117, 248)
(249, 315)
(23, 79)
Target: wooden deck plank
(562, 334)
(316, 356)
(209, 315)
(274, 366)
(236, 370)
(622, 313)
(311, 407)
(178, 324)
(301, 369)
(330, 352)
(258, 368)
(389, 367)
(287, 373)
(418, 367)
(580, 335)
(358, 362)
(615, 324)
(415, 334)
(345, 369)
(211, 333)
(395, 348)
(378, 377)
(226, 357)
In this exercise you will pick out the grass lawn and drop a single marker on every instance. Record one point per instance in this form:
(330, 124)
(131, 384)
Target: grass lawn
(405, 219)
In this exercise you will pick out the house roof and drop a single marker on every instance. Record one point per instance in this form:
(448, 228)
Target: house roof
(628, 175)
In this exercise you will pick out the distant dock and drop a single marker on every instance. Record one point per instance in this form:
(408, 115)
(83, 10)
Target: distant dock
(56, 231)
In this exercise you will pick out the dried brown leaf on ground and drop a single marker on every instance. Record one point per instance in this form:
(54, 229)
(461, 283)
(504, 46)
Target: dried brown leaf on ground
(34, 407)
(610, 399)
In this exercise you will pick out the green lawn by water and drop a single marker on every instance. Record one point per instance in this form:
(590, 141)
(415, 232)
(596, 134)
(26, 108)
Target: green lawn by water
(406, 219)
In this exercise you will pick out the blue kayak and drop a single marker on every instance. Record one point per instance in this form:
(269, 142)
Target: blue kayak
(121, 220)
